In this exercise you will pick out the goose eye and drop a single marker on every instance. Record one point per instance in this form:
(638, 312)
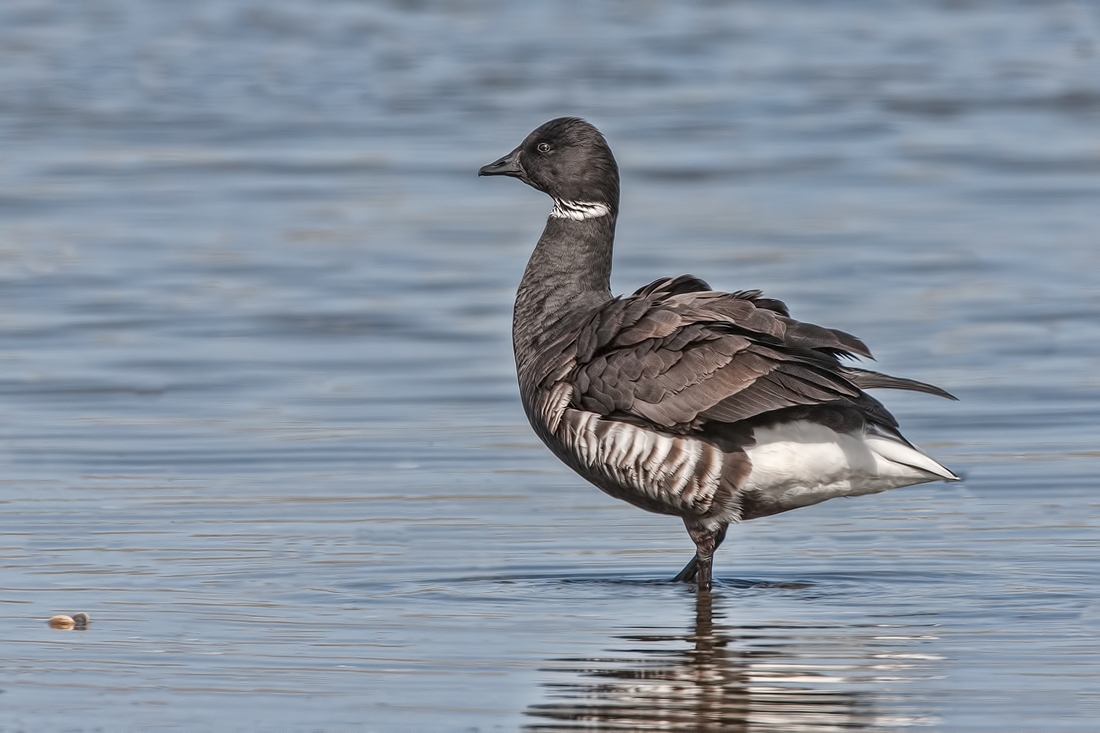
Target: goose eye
(544, 147)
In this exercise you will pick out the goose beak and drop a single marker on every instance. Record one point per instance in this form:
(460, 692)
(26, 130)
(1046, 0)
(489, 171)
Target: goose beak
(506, 166)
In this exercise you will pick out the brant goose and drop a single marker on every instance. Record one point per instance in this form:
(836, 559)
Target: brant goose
(713, 407)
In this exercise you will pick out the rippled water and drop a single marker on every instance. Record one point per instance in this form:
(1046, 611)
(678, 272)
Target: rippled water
(259, 417)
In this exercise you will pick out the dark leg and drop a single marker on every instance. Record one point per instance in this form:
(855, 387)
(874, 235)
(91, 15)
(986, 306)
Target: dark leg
(687, 575)
(707, 540)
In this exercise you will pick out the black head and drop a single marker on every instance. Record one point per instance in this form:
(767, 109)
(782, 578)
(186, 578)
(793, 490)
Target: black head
(566, 158)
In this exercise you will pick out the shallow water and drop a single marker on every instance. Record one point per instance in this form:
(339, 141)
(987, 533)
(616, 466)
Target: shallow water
(259, 417)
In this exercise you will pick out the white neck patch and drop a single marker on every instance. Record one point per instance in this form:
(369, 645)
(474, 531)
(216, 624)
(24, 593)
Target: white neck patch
(579, 210)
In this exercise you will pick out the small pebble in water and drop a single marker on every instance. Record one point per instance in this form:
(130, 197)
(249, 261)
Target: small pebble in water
(76, 621)
(62, 622)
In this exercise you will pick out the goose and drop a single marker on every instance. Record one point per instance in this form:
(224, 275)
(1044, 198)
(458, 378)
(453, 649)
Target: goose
(682, 400)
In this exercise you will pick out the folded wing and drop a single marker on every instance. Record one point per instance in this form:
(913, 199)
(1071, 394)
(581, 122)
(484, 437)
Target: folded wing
(676, 355)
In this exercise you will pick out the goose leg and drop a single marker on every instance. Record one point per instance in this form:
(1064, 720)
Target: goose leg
(706, 539)
(687, 575)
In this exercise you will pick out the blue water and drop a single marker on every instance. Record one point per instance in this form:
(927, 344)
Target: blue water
(258, 413)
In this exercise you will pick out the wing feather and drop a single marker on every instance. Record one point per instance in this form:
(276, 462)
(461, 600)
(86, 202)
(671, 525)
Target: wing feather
(676, 355)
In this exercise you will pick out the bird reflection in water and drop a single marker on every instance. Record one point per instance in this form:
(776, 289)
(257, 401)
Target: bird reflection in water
(731, 679)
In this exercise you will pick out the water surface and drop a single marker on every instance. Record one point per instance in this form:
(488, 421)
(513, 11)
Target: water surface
(259, 417)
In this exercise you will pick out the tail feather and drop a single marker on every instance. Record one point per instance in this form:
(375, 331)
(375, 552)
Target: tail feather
(908, 455)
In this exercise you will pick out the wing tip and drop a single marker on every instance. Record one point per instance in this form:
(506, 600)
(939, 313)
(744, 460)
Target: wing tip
(867, 379)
